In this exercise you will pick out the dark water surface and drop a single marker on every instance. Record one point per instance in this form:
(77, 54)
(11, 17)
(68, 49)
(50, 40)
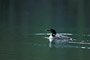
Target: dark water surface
(21, 20)
(36, 47)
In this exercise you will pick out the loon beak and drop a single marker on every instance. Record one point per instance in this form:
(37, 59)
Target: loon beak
(48, 30)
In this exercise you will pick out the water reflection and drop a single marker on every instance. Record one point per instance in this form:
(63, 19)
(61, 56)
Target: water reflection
(75, 43)
(61, 46)
(68, 46)
(50, 45)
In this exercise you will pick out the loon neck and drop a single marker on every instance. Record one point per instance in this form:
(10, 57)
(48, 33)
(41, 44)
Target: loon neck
(53, 35)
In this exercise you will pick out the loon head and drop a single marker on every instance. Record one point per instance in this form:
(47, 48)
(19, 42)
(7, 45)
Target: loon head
(53, 31)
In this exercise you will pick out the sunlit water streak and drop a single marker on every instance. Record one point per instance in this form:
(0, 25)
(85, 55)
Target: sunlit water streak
(73, 44)
(50, 33)
(68, 34)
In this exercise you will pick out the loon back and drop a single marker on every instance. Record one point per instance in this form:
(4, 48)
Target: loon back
(62, 37)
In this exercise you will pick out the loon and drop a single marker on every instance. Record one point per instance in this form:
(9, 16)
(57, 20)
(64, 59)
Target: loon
(56, 38)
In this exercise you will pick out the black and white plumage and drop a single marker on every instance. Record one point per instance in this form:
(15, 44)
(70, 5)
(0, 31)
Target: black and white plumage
(56, 38)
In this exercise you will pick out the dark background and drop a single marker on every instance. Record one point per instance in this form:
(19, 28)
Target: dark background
(20, 18)
(28, 16)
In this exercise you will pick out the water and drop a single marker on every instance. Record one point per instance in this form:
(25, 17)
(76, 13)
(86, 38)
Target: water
(36, 47)
(20, 22)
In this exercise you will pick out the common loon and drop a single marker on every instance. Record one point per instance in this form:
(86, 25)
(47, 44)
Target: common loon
(56, 38)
